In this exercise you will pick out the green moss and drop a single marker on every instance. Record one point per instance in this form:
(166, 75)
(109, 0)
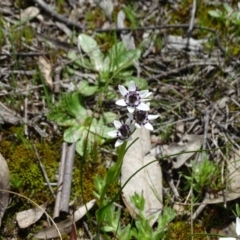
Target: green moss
(25, 174)
(181, 230)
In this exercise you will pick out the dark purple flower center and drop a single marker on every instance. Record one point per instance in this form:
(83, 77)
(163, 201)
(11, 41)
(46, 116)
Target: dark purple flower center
(141, 117)
(132, 99)
(124, 132)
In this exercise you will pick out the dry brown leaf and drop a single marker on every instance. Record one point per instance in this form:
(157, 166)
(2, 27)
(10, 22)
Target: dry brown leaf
(46, 70)
(106, 6)
(29, 217)
(66, 225)
(29, 13)
(8, 116)
(189, 143)
(147, 182)
(4, 185)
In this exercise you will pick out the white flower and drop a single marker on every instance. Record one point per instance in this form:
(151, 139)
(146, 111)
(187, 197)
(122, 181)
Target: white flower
(123, 132)
(237, 231)
(133, 98)
(142, 119)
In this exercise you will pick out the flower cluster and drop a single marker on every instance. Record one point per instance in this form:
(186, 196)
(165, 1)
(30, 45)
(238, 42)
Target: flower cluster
(138, 106)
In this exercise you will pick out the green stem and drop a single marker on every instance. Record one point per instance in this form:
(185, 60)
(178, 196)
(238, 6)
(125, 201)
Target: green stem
(113, 172)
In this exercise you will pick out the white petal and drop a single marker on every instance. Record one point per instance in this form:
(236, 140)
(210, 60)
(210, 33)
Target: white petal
(122, 90)
(152, 117)
(113, 133)
(132, 127)
(145, 99)
(148, 126)
(137, 125)
(118, 142)
(143, 93)
(121, 102)
(149, 94)
(143, 106)
(117, 124)
(128, 122)
(130, 109)
(132, 86)
(130, 116)
(238, 226)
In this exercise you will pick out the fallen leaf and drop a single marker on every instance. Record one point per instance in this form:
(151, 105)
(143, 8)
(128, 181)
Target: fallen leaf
(4, 185)
(66, 225)
(8, 116)
(146, 182)
(29, 13)
(180, 43)
(126, 37)
(188, 143)
(106, 6)
(46, 70)
(29, 217)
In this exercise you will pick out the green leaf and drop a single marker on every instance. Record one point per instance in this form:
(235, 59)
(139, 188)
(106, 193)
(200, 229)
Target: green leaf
(75, 106)
(107, 229)
(109, 117)
(80, 145)
(72, 134)
(121, 58)
(91, 48)
(85, 89)
(228, 8)
(141, 82)
(215, 13)
(82, 62)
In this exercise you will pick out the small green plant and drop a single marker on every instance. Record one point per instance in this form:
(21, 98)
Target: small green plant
(205, 176)
(112, 66)
(227, 16)
(142, 228)
(83, 127)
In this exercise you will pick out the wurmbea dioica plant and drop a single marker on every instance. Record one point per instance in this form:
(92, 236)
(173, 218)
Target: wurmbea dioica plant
(138, 115)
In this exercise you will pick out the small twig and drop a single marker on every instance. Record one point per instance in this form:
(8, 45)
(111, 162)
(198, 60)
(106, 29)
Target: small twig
(87, 230)
(67, 179)
(206, 120)
(60, 181)
(172, 186)
(191, 24)
(57, 16)
(26, 116)
(43, 171)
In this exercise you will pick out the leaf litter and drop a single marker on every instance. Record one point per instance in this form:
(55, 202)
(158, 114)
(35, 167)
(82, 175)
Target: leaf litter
(195, 82)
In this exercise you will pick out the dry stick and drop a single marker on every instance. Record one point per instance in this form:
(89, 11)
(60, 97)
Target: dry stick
(26, 116)
(67, 179)
(206, 125)
(43, 170)
(190, 29)
(57, 16)
(60, 181)
(77, 26)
